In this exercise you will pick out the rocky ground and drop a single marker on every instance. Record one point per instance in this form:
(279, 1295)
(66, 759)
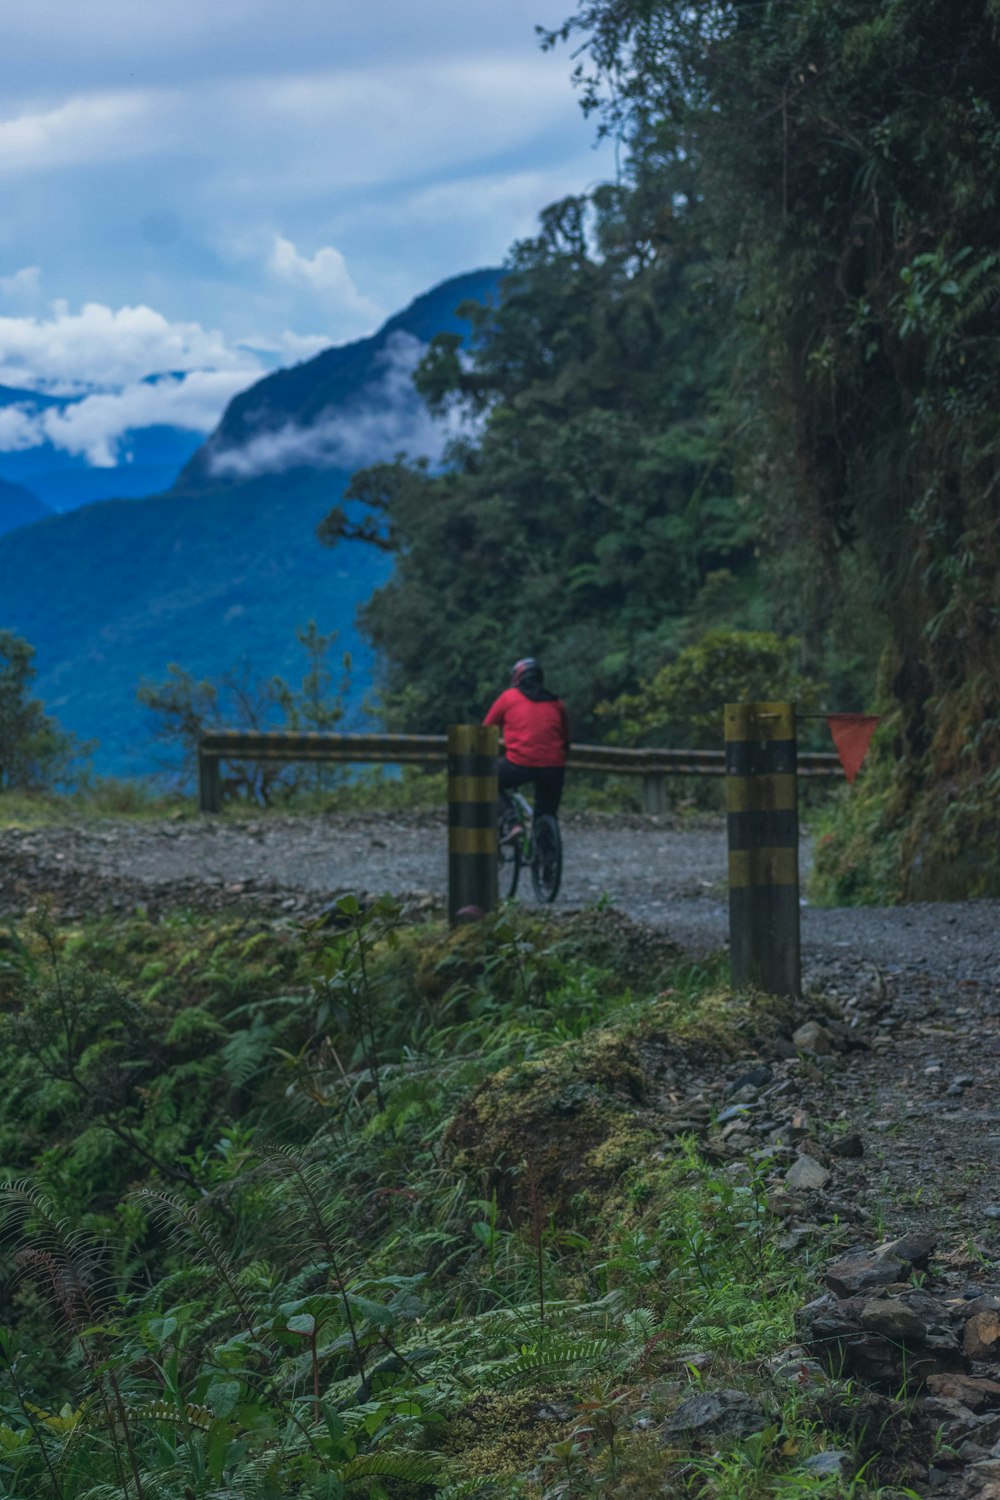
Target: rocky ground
(883, 1109)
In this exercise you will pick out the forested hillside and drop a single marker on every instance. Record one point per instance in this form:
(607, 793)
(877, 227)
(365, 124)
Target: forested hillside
(19, 507)
(752, 385)
(218, 573)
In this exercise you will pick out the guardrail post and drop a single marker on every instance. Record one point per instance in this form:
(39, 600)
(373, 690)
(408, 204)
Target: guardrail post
(763, 828)
(209, 783)
(654, 792)
(472, 818)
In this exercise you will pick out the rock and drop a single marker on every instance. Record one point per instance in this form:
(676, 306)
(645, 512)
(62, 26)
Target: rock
(952, 1418)
(982, 1335)
(893, 1320)
(850, 1146)
(728, 1413)
(915, 1249)
(732, 1112)
(981, 1302)
(756, 1078)
(863, 1272)
(799, 1374)
(814, 1038)
(806, 1174)
(834, 1462)
(991, 1211)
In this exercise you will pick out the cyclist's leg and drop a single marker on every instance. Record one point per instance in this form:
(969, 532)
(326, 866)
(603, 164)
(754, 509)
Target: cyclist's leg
(510, 776)
(548, 789)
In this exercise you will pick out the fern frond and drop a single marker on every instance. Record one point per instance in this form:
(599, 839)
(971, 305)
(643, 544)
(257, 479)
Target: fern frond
(539, 1361)
(190, 1415)
(416, 1468)
(208, 1247)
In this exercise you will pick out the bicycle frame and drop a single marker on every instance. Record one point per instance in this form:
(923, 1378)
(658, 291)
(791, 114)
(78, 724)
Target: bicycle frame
(527, 814)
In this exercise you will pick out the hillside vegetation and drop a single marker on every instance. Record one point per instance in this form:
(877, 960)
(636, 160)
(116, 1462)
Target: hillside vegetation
(749, 386)
(380, 1210)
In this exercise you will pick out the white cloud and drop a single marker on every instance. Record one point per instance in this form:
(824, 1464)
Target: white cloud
(387, 418)
(96, 427)
(22, 284)
(84, 128)
(299, 346)
(106, 347)
(19, 429)
(124, 368)
(326, 274)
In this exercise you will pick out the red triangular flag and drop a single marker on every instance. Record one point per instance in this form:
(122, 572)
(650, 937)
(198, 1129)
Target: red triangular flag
(852, 735)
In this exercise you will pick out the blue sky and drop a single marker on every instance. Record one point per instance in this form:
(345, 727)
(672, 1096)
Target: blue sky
(214, 187)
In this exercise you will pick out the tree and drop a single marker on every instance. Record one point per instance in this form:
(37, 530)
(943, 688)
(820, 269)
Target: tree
(34, 751)
(184, 709)
(682, 704)
(848, 157)
(592, 497)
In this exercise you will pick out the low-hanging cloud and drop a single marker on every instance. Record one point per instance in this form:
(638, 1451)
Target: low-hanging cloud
(66, 353)
(121, 369)
(387, 417)
(96, 427)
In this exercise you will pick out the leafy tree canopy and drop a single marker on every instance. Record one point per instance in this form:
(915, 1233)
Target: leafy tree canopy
(594, 497)
(34, 751)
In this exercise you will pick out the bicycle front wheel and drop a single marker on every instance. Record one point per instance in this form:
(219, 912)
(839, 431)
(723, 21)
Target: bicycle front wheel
(546, 867)
(509, 835)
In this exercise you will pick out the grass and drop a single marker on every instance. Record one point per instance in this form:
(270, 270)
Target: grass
(377, 1210)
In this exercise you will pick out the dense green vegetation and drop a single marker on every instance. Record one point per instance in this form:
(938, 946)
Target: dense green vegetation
(34, 751)
(751, 386)
(378, 1210)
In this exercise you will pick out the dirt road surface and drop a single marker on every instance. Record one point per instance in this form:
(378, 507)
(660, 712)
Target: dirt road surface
(667, 872)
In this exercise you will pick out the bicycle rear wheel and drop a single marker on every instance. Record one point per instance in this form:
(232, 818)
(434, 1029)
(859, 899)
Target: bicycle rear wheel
(546, 867)
(509, 836)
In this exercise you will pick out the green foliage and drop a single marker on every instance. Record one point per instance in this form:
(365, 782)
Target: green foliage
(584, 522)
(312, 1294)
(848, 162)
(683, 703)
(184, 709)
(34, 752)
(858, 849)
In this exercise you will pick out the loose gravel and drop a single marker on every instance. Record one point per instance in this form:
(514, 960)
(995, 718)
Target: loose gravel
(663, 871)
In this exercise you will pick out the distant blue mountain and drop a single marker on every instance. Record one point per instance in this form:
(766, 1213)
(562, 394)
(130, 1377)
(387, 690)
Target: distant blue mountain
(67, 480)
(19, 507)
(220, 570)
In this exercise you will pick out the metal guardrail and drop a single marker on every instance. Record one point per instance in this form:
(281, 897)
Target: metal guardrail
(652, 764)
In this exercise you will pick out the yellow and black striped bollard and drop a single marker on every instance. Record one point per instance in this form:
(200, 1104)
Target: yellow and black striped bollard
(763, 827)
(472, 819)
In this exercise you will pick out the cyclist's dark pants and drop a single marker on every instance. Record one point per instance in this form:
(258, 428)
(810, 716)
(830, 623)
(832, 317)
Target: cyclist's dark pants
(548, 783)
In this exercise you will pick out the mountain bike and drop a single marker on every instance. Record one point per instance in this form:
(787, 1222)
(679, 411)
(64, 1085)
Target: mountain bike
(523, 839)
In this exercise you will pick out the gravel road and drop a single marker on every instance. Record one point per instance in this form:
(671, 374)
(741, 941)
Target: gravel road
(663, 871)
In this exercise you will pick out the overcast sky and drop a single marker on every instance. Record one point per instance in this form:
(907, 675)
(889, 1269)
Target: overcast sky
(217, 185)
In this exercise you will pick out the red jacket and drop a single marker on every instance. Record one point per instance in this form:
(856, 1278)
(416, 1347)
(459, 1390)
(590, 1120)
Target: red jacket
(535, 734)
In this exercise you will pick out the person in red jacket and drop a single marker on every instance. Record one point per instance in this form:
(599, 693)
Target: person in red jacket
(535, 730)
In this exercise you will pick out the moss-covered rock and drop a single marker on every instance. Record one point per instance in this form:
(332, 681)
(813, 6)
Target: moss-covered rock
(574, 1119)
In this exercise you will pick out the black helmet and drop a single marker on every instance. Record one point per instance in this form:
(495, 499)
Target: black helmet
(527, 669)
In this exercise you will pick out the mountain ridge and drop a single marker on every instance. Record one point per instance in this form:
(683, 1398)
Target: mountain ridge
(216, 572)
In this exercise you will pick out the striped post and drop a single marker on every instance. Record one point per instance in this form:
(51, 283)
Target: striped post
(763, 826)
(209, 783)
(472, 818)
